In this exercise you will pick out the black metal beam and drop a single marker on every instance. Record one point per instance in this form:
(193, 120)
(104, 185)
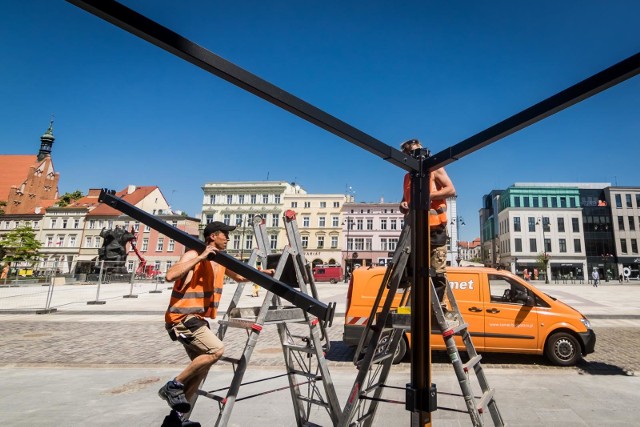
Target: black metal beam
(170, 41)
(597, 83)
(301, 300)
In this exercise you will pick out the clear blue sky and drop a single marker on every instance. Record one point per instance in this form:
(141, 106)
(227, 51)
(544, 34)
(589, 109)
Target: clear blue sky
(434, 70)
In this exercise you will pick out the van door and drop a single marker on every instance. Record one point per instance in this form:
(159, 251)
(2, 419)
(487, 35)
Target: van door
(466, 289)
(509, 323)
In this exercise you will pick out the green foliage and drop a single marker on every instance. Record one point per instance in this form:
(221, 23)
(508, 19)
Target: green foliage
(68, 198)
(20, 244)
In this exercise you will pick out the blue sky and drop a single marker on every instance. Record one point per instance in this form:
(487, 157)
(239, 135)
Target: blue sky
(433, 70)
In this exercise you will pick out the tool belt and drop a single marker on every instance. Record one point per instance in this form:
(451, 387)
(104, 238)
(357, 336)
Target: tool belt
(438, 236)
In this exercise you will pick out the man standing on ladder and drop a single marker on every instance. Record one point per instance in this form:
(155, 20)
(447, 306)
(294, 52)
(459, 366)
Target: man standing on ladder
(196, 295)
(441, 189)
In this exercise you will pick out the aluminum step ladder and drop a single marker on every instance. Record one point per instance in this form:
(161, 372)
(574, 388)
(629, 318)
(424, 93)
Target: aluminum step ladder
(373, 362)
(300, 335)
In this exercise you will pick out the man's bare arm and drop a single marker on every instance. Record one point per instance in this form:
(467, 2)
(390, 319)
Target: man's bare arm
(444, 185)
(186, 264)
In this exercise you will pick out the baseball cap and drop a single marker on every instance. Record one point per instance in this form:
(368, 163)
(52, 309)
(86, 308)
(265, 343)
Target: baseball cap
(405, 145)
(214, 226)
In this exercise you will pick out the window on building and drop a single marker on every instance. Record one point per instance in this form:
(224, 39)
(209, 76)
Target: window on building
(322, 221)
(305, 241)
(634, 246)
(335, 221)
(336, 204)
(623, 246)
(60, 242)
(229, 199)
(620, 222)
(250, 218)
(516, 202)
(518, 245)
(248, 242)
(632, 224)
(572, 202)
(252, 199)
(563, 202)
(276, 198)
(618, 200)
(35, 224)
(533, 245)
(532, 223)
(275, 220)
(547, 245)
(157, 265)
(236, 242)
(174, 224)
(172, 245)
(97, 243)
(209, 218)
(561, 225)
(638, 200)
(525, 202)
(145, 244)
(545, 202)
(369, 223)
(306, 221)
(516, 223)
(359, 224)
(53, 222)
(76, 223)
(393, 243)
(393, 223)
(358, 243)
(212, 199)
(265, 198)
(323, 204)
(577, 246)
(536, 202)
(273, 241)
(50, 241)
(147, 229)
(130, 264)
(241, 199)
(563, 245)
(88, 241)
(384, 244)
(72, 241)
(368, 244)
(334, 242)
(320, 242)
(383, 223)
(546, 224)
(554, 202)
(575, 225)
(226, 218)
(294, 204)
(628, 200)
(169, 264)
(307, 204)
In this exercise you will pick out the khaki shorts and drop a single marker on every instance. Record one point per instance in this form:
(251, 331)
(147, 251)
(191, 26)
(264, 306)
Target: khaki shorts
(439, 259)
(196, 339)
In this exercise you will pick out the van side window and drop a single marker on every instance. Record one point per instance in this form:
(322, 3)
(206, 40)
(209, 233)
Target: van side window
(505, 290)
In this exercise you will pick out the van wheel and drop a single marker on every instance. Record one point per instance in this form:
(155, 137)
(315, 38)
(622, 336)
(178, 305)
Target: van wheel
(563, 349)
(401, 351)
(333, 281)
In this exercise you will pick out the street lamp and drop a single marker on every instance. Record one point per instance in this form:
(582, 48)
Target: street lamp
(545, 256)
(605, 259)
(241, 222)
(458, 221)
(349, 223)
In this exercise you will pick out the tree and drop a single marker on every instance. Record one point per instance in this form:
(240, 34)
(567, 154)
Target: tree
(68, 198)
(19, 245)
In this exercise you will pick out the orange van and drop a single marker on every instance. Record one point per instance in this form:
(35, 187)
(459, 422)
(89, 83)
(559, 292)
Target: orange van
(505, 314)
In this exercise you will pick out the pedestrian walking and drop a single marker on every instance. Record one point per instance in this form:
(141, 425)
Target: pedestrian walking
(596, 277)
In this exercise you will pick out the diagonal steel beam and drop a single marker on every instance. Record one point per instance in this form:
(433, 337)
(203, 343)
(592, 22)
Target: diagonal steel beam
(301, 300)
(168, 40)
(597, 83)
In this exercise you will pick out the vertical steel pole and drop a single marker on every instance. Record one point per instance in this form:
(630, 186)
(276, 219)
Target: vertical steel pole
(419, 390)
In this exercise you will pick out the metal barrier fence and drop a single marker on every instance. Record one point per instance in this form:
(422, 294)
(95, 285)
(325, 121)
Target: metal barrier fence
(46, 294)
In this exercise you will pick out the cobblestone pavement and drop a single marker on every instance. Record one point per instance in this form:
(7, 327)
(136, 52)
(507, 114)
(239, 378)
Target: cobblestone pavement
(77, 343)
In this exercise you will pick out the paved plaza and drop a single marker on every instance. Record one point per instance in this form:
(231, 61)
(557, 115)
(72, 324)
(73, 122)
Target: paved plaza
(101, 365)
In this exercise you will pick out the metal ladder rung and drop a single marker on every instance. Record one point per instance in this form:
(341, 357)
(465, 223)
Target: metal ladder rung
(313, 401)
(210, 396)
(232, 360)
(309, 375)
(376, 359)
(486, 398)
(472, 362)
(301, 348)
(456, 329)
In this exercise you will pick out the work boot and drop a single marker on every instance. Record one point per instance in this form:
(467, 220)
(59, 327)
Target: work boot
(173, 393)
(174, 420)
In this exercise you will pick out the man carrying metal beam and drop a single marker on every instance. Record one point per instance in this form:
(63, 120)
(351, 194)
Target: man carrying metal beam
(441, 189)
(196, 295)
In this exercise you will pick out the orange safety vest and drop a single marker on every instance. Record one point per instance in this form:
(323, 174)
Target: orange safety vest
(201, 297)
(437, 208)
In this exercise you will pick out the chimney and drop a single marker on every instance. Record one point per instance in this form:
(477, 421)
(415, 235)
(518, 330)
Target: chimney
(131, 189)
